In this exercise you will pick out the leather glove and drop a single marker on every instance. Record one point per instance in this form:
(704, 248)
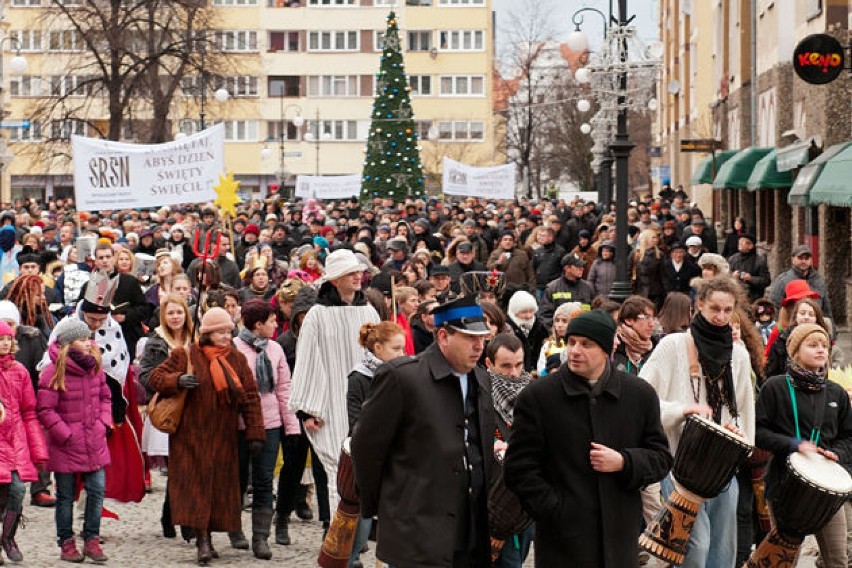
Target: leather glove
(255, 447)
(187, 382)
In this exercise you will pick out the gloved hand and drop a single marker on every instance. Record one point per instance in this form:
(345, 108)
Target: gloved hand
(187, 382)
(255, 447)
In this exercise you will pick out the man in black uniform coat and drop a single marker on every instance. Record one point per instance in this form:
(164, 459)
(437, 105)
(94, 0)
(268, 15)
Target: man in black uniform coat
(585, 440)
(423, 448)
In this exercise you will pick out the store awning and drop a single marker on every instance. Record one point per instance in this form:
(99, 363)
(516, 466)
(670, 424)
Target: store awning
(799, 195)
(765, 174)
(797, 155)
(735, 172)
(704, 171)
(832, 186)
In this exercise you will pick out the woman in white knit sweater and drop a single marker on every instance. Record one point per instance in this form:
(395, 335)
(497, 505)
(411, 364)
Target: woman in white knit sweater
(720, 390)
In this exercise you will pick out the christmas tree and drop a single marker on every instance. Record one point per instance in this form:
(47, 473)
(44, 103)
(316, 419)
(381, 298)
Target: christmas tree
(392, 167)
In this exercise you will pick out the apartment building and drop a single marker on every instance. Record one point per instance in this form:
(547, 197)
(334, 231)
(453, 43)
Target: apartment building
(299, 95)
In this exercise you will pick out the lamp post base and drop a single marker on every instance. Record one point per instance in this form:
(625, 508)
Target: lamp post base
(620, 291)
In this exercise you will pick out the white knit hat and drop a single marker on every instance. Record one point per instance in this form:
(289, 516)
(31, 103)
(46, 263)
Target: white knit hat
(340, 263)
(9, 311)
(521, 301)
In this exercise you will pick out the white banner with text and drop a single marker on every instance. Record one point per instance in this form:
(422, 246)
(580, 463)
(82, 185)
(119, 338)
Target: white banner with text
(493, 182)
(328, 187)
(118, 175)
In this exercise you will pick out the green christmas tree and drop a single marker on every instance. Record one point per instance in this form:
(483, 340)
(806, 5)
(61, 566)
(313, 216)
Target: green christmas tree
(392, 167)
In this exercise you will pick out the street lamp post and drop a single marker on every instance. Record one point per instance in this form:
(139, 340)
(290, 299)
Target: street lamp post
(310, 136)
(221, 95)
(297, 121)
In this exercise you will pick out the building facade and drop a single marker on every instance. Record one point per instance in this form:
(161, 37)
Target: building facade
(313, 59)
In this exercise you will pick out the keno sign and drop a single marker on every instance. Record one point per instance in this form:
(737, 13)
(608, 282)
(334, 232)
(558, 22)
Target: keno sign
(819, 59)
(118, 175)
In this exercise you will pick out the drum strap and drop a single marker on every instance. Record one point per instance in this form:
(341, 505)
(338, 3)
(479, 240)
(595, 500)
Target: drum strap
(819, 413)
(694, 367)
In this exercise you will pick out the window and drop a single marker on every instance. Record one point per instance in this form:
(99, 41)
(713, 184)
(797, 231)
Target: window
(378, 41)
(63, 129)
(25, 3)
(65, 40)
(31, 134)
(384, 2)
(26, 86)
(333, 41)
(340, 130)
(333, 86)
(234, 3)
(423, 127)
(418, 2)
(419, 40)
(189, 126)
(71, 85)
(284, 41)
(274, 127)
(462, 85)
(461, 131)
(461, 2)
(241, 130)
(237, 85)
(283, 86)
(463, 40)
(235, 40)
(331, 3)
(421, 85)
(28, 40)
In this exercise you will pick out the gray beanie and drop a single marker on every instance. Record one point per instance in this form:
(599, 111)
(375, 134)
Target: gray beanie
(70, 329)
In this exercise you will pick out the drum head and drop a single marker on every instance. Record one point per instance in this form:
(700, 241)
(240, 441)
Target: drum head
(821, 472)
(719, 428)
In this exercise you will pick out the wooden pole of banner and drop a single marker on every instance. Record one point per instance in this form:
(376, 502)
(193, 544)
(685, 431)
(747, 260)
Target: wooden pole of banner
(393, 300)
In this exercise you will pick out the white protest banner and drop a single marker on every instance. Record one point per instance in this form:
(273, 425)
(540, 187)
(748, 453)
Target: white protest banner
(328, 187)
(494, 182)
(118, 175)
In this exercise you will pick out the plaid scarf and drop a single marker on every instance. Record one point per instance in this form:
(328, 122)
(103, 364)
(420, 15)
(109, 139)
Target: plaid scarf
(505, 391)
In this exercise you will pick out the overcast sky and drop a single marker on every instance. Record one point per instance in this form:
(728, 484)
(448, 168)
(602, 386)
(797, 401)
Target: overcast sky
(645, 10)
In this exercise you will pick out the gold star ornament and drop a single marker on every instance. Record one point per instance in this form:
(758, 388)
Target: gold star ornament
(226, 192)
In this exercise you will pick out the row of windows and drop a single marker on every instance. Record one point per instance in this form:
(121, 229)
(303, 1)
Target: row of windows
(248, 85)
(320, 3)
(249, 130)
(246, 41)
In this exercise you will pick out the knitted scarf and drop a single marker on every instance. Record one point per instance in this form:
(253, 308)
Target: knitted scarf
(263, 373)
(804, 379)
(225, 378)
(505, 391)
(635, 346)
(715, 346)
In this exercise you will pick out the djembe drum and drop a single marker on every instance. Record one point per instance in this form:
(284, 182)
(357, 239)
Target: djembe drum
(706, 460)
(812, 489)
(337, 545)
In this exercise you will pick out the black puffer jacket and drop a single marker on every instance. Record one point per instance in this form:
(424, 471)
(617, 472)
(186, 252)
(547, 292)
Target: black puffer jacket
(547, 263)
(31, 347)
(305, 300)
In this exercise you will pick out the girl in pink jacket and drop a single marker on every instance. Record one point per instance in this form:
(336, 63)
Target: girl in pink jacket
(22, 447)
(74, 406)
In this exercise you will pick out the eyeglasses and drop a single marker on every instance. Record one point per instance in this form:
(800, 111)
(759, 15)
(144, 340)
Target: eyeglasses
(644, 317)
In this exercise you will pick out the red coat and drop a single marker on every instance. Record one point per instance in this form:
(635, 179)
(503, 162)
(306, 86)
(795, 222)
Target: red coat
(409, 337)
(21, 440)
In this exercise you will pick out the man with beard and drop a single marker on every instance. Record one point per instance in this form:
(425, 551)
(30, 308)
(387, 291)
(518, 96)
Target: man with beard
(465, 262)
(526, 326)
(582, 489)
(504, 361)
(426, 434)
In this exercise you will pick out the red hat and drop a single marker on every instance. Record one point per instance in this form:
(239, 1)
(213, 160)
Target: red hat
(251, 229)
(796, 290)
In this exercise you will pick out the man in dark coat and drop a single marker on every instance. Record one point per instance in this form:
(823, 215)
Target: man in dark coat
(678, 270)
(465, 262)
(749, 267)
(570, 287)
(547, 260)
(583, 490)
(423, 448)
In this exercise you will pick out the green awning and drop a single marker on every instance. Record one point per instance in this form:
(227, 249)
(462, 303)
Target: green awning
(766, 175)
(799, 195)
(797, 155)
(833, 186)
(735, 172)
(704, 171)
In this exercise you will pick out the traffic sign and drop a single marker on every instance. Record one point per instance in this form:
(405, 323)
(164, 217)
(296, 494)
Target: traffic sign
(292, 154)
(700, 145)
(24, 123)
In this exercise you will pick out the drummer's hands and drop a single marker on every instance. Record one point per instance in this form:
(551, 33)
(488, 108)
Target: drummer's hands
(810, 447)
(699, 409)
(733, 428)
(605, 460)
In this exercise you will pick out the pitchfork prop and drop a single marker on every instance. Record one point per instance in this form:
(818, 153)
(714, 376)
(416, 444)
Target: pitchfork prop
(204, 254)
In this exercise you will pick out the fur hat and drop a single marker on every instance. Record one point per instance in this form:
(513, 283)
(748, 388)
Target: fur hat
(520, 301)
(70, 329)
(802, 332)
(216, 319)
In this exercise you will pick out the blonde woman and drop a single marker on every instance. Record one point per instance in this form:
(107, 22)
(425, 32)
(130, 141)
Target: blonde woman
(646, 266)
(165, 269)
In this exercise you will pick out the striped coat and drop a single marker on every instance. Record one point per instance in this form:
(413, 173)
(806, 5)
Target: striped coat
(327, 350)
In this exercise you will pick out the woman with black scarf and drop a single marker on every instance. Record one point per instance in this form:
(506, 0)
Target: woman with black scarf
(717, 386)
(801, 411)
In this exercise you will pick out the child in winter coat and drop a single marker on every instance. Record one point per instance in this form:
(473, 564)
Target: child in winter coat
(74, 406)
(21, 441)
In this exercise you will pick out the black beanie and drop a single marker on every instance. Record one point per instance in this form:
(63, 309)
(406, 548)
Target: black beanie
(596, 325)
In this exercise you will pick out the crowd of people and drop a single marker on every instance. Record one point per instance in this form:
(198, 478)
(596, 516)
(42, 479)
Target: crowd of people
(452, 372)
